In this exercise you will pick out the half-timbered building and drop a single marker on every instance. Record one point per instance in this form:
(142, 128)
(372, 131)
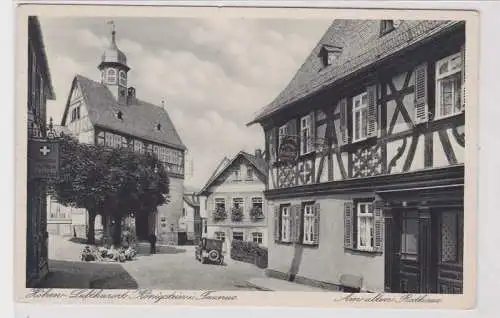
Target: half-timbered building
(366, 160)
(39, 90)
(108, 112)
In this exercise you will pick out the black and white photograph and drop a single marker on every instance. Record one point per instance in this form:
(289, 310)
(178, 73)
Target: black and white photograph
(247, 154)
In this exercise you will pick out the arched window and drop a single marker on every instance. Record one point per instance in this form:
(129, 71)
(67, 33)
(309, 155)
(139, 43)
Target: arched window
(111, 76)
(123, 78)
(103, 76)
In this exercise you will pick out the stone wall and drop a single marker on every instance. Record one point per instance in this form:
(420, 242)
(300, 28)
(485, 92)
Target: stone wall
(169, 213)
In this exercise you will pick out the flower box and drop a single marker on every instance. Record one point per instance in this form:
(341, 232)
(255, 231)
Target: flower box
(256, 213)
(236, 214)
(219, 214)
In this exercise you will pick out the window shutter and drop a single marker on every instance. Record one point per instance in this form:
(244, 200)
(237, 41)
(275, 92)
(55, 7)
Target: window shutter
(277, 224)
(348, 225)
(421, 107)
(343, 121)
(378, 226)
(292, 129)
(372, 111)
(292, 222)
(316, 224)
(295, 223)
(312, 137)
(464, 92)
(272, 147)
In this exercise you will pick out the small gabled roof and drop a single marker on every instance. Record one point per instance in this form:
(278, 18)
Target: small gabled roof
(361, 45)
(259, 164)
(192, 199)
(139, 119)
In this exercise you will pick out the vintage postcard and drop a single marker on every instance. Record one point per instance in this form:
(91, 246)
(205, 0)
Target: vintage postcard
(246, 156)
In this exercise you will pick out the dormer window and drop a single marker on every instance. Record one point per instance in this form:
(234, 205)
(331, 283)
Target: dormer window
(387, 26)
(111, 76)
(158, 127)
(330, 54)
(119, 115)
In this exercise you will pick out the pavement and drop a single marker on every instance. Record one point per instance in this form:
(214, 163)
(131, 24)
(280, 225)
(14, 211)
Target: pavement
(173, 267)
(273, 284)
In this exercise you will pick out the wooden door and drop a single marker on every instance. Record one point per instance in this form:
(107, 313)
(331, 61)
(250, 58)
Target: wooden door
(411, 243)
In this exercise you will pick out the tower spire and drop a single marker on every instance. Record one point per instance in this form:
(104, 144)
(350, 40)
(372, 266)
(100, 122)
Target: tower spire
(113, 32)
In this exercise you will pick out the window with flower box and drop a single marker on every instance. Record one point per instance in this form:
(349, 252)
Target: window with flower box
(237, 210)
(257, 213)
(220, 213)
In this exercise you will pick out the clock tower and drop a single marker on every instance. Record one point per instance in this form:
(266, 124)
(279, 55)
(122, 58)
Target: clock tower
(114, 69)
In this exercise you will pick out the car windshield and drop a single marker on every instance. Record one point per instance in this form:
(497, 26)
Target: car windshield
(213, 244)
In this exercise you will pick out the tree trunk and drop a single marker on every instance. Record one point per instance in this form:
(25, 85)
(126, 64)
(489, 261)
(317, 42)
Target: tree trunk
(91, 229)
(117, 232)
(106, 233)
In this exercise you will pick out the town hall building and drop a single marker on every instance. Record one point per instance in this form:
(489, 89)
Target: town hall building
(366, 149)
(109, 112)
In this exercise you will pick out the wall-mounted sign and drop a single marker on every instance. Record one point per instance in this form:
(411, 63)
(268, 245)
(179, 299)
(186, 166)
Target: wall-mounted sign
(288, 149)
(43, 159)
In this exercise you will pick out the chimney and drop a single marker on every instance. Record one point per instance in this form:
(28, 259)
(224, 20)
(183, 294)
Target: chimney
(258, 154)
(131, 95)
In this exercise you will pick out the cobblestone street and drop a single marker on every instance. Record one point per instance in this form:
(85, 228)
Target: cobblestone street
(171, 268)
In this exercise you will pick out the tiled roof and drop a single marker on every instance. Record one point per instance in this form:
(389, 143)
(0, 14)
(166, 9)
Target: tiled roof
(36, 36)
(139, 119)
(259, 163)
(361, 45)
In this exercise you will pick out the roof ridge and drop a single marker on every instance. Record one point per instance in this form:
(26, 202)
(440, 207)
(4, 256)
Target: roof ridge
(140, 118)
(309, 80)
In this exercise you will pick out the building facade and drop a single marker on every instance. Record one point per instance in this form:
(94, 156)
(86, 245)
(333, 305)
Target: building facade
(232, 201)
(108, 112)
(366, 154)
(39, 91)
(190, 222)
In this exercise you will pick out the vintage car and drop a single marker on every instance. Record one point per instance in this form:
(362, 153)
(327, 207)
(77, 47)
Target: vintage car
(209, 250)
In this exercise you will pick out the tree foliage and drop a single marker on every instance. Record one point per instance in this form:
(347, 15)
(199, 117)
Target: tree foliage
(113, 182)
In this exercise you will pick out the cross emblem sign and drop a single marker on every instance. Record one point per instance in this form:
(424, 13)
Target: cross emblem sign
(44, 150)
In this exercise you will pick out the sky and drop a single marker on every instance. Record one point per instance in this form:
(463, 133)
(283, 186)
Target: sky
(213, 74)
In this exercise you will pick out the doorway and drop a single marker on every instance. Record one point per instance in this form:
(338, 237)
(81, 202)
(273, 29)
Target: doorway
(181, 238)
(410, 252)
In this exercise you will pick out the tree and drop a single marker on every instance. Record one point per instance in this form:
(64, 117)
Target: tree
(112, 182)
